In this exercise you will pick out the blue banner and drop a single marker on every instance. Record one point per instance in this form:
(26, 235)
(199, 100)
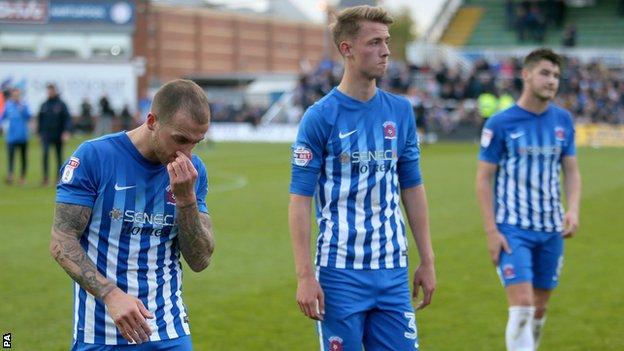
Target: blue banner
(92, 12)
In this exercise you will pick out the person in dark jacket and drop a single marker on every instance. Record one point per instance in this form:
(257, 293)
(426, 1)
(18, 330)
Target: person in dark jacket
(54, 122)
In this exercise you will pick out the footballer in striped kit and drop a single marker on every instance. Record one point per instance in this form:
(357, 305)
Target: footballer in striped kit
(523, 150)
(357, 155)
(129, 205)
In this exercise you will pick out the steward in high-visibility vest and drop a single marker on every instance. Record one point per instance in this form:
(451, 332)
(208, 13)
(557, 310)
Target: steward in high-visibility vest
(487, 103)
(505, 101)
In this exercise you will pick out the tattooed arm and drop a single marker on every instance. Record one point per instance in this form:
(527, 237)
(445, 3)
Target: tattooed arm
(194, 228)
(69, 223)
(195, 236)
(127, 311)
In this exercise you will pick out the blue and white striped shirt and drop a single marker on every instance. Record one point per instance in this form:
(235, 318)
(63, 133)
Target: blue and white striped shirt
(353, 157)
(131, 235)
(528, 149)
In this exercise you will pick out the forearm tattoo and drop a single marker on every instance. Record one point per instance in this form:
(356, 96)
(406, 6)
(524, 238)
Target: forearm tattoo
(69, 223)
(195, 236)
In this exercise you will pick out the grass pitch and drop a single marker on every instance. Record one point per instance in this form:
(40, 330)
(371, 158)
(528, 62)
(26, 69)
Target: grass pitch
(246, 299)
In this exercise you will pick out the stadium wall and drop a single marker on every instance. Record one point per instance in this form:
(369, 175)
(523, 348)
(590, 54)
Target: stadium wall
(196, 42)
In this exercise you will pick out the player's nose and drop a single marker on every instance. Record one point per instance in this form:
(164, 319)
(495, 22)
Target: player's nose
(385, 50)
(187, 151)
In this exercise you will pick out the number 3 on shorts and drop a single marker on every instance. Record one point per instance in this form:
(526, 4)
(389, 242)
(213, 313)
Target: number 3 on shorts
(411, 317)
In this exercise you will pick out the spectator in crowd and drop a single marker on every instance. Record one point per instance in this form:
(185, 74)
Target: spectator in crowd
(84, 124)
(127, 120)
(17, 115)
(105, 122)
(521, 23)
(488, 106)
(53, 126)
(536, 21)
(569, 36)
(510, 14)
(505, 100)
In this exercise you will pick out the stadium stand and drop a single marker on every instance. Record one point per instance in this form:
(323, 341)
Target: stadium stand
(599, 25)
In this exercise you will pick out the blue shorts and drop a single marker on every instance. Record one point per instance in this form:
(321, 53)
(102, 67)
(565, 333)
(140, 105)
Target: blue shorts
(182, 343)
(536, 257)
(370, 308)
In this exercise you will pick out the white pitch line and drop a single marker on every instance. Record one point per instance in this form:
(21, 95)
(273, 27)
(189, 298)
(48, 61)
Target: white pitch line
(238, 182)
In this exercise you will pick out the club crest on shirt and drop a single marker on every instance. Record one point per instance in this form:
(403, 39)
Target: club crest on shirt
(389, 128)
(560, 133)
(302, 156)
(345, 157)
(171, 200)
(116, 214)
(335, 343)
(486, 137)
(68, 171)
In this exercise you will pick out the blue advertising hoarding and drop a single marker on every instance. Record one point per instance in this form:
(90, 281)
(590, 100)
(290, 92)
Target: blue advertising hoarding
(107, 12)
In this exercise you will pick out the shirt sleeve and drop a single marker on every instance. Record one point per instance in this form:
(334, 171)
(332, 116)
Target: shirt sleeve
(408, 165)
(570, 143)
(492, 142)
(79, 179)
(307, 153)
(201, 184)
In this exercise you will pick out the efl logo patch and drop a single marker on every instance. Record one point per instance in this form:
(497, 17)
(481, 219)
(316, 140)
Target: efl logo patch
(335, 343)
(389, 128)
(171, 200)
(508, 271)
(68, 171)
(302, 156)
(486, 137)
(560, 133)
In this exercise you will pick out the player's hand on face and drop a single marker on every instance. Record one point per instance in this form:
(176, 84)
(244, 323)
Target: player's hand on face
(496, 243)
(424, 277)
(182, 176)
(310, 298)
(129, 315)
(570, 224)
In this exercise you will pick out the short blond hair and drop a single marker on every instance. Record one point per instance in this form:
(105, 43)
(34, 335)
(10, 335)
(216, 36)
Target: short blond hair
(347, 24)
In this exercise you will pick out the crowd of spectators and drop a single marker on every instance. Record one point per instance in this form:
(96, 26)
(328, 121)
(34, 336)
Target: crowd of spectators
(222, 111)
(445, 97)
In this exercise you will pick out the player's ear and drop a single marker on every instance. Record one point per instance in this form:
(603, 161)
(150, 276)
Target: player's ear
(525, 73)
(151, 121)
(345, 49)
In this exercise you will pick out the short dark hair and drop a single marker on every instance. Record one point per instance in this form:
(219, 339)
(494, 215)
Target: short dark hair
(541, 54)
(347, 24)
(181, 95)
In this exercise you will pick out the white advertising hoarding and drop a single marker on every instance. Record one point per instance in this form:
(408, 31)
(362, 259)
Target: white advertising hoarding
(75, 82)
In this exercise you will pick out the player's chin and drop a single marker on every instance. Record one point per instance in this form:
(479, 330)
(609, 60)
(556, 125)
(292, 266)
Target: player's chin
(378, 74)
(549, 94)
